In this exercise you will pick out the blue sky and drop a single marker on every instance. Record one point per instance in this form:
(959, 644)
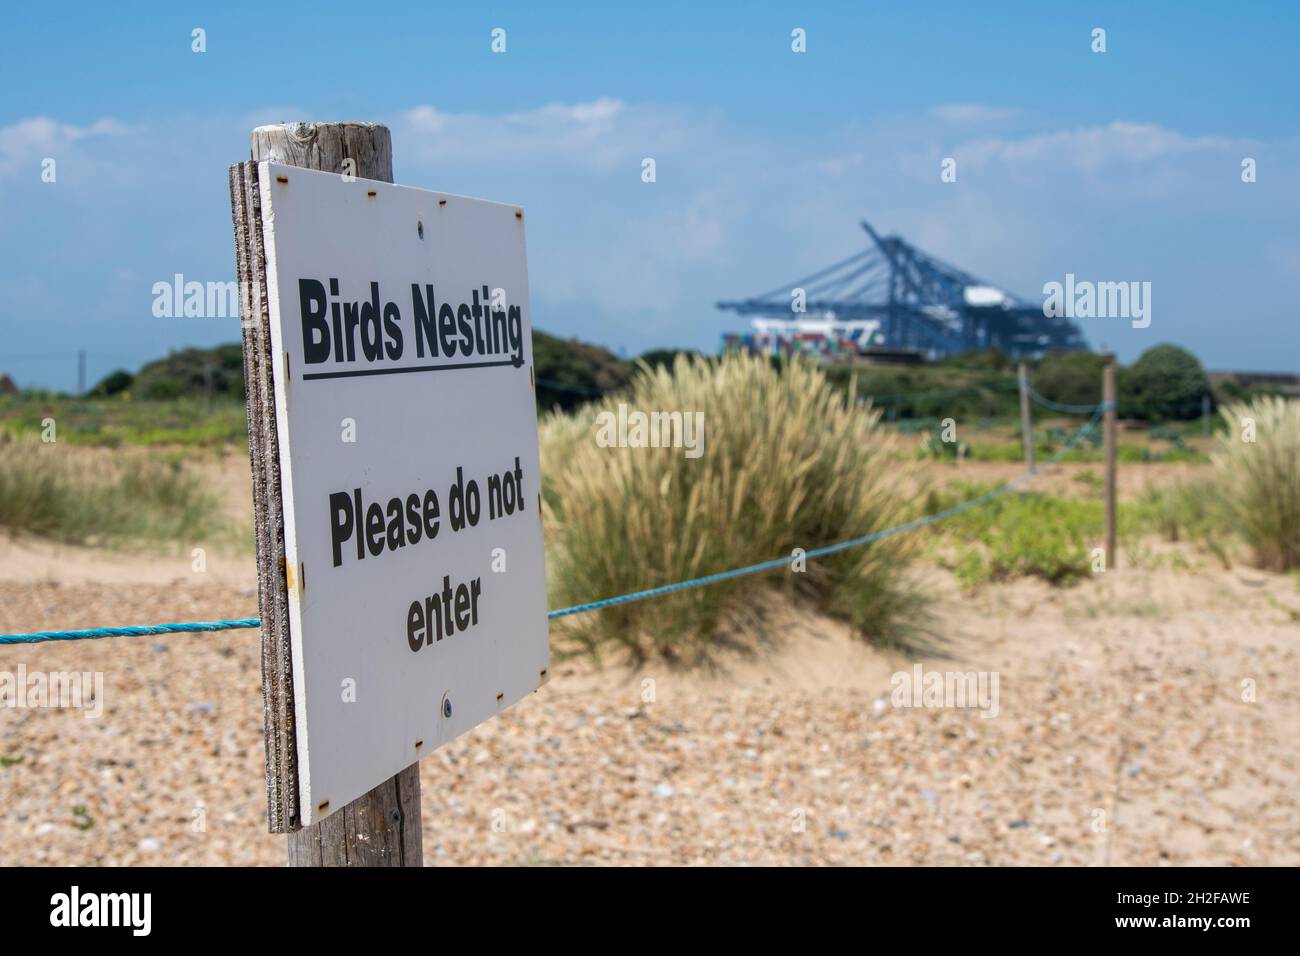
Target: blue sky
(1116, 166)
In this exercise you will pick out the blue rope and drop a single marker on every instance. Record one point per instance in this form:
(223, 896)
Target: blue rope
(942, 393)
(98, 632)
(784, 561)
(1063, 407)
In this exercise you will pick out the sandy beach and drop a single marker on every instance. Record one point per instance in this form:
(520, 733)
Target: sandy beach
(1121, 734)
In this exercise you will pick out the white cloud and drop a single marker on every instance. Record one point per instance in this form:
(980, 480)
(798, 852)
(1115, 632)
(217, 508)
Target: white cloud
(734, 211)
(583, 132)
(31, 140)
(1091, 148)
(974, 113)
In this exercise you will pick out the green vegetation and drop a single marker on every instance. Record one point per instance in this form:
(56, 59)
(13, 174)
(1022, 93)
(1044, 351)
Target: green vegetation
(572, 373)
(206, 373)
(86, 496)
(119, 421)
(1257, 475)
(930, 391)
(788, 463)
(1016, 534)
(1187, 510)
(1253, 493)
(1166, 382)
(1073, 378)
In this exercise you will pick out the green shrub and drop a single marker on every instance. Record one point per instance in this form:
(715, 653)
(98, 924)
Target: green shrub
(1070, 377)
(1165, 383)
(930, 391)
(787, 463)
(216, 372)
(1017, 535)
(572, 373)
(114, 383)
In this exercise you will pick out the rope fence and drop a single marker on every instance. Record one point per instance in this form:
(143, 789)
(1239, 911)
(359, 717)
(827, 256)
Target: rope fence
(1097, 411)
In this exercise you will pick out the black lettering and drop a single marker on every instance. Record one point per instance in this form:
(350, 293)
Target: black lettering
(394, 331)
(396, 527)
(430, 514)
(432, 616)
(372, 337)
(375, 528)
(414, 626)
(350, 323)
(424, 313)
(356, 510)
(413, 518)
(446, 606)
(447, 329)
(466, 329)
(462, 607)
(340, 523)
(515, 329)
(498, 330)
(315, 330)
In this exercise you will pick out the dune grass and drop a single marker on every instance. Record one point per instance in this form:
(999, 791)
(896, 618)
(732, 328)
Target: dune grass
(788, 463)
(1252, 494)
(88, 496)
(1259, 480)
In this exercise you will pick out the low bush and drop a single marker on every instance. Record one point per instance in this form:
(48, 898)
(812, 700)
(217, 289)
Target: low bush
(787, 463)
(81, 496)
(1257, 474)
(1165, 383)
(1018, 534)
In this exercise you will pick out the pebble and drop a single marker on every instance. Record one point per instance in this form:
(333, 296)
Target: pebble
(765, 773)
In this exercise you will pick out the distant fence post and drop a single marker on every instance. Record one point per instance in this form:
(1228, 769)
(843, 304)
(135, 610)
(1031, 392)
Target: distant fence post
(1026, 422)
(382, 827)
(1108, 393)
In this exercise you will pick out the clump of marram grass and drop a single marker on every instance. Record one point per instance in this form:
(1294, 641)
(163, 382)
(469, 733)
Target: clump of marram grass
(1188, 510)
(1259, 479)
(787, 463)
(84, 496)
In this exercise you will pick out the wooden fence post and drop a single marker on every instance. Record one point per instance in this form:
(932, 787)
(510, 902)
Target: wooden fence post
(1026, 422)
(1108, 395)
(381, 828)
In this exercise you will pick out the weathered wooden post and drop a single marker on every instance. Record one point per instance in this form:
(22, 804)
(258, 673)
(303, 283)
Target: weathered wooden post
(1026, 422)
(1108, 395)
(382, 827)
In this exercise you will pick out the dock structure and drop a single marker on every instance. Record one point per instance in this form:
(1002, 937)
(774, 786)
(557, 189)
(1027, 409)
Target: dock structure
(895, 296)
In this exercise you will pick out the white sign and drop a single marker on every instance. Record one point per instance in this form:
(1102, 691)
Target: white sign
(404, 401)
